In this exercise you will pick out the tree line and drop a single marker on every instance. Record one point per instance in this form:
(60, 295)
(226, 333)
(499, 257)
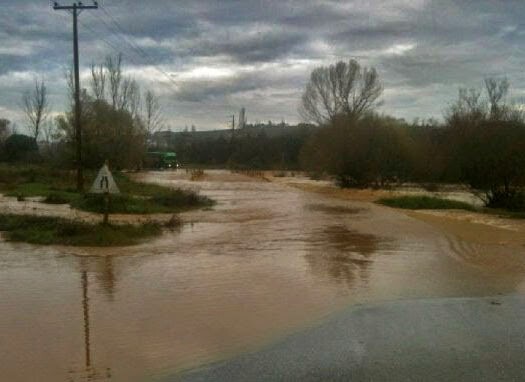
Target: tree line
(480, 141)
(249, 148)
(117, 118)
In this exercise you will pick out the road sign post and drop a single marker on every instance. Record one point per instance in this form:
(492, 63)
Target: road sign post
(106, 208)
(105, 184)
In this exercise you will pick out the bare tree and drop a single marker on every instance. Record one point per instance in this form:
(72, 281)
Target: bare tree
(152, 112)
(469, 108)
(5, 129)
(474, 106)
(35, 104)
(114, 73)
(134, 100)
(340, 89)
(98, 81)
(496, 93)
(129, 96)
(51, 131)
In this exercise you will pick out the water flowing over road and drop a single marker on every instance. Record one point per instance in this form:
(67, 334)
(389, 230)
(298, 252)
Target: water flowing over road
(267, 260)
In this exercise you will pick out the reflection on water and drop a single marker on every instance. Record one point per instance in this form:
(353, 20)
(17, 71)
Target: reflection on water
(268, 259)
(106, 276)
(85, 305)
(346, 254)
(90, 372)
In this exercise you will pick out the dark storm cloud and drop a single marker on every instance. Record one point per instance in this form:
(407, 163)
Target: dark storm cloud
(258, 54)
(197, 91)
(262, 46)
(10, 61)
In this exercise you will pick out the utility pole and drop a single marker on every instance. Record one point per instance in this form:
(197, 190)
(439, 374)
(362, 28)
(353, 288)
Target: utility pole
(75, 9)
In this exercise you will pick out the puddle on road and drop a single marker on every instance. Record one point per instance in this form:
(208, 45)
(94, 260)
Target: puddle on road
(266, 260)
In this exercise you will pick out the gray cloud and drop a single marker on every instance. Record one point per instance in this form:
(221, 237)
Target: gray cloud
(221, 55)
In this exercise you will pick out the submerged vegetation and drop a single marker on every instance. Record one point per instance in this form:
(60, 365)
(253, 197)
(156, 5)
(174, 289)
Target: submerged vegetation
(46, 230)
(422, 202)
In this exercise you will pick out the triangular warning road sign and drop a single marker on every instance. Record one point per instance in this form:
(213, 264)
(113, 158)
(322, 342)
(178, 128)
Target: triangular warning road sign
(104, 182)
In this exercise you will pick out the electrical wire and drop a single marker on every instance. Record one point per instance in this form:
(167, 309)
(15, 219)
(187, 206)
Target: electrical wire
(120, 32)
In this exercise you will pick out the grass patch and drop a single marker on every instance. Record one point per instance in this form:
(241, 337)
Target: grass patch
(60, 197)
(422, 202)
(51, 230)
(32, 180)
(168, 201)
(29, 190)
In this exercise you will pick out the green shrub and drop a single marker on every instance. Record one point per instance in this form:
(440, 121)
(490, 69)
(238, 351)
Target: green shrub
(179, 198)
(512, 201)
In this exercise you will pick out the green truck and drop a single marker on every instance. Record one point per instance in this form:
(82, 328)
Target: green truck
(162, 160)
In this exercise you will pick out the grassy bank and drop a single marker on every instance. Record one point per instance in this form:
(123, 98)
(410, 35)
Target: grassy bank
(51, 230)
(422, 202)
(169, 201)
(57, 187)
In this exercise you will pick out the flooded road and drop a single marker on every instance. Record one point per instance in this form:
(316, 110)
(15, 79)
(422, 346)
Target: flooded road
(268, 259)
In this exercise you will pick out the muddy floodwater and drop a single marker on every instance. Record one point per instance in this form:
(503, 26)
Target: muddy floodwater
(269, 259)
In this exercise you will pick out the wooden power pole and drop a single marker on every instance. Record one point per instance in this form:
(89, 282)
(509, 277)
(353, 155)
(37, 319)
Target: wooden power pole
(75, 9)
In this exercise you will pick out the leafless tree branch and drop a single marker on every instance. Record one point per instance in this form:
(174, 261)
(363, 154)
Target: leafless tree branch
(35, 105)
(152, 112)
(340, 89)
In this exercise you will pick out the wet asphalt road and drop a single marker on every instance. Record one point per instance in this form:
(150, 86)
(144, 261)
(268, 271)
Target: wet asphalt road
(456, 339)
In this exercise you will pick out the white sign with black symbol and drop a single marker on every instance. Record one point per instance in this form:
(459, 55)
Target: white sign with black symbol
(104, 182)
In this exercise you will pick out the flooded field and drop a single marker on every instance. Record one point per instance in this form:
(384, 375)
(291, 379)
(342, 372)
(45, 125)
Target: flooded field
(268, 259)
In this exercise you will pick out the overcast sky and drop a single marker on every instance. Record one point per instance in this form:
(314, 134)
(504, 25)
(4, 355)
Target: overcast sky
(206, 59)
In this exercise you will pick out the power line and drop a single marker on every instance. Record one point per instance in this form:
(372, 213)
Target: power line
(138, 48)
(117, 30)
(118, 50)
(122, 34)
(108, 43)
(122, 37)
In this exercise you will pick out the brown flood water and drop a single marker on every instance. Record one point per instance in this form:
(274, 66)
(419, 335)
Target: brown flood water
(267, 260)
